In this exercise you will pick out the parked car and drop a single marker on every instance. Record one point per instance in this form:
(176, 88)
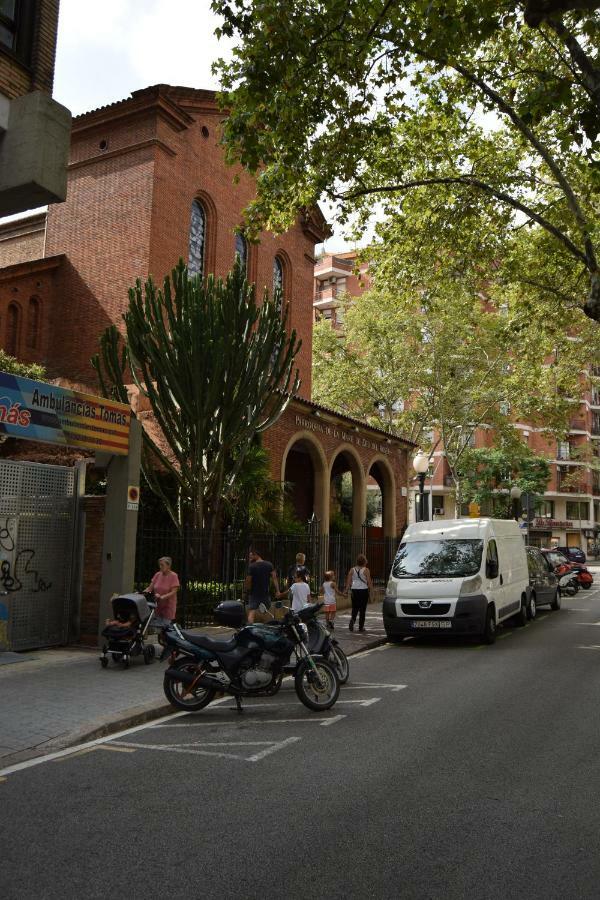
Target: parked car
(542, 581)
(573, 554)
(459, 576)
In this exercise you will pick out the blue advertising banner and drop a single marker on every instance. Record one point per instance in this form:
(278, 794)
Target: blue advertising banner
(42, 412)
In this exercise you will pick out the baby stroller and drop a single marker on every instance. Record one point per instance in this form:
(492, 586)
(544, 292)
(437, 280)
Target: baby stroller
(136, 611)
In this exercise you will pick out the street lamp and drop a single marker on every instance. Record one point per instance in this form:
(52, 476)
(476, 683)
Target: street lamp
(421, 467)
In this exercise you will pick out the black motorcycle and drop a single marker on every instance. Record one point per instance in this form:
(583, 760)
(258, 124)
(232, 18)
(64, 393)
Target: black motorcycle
(320, 643)
(250, 662)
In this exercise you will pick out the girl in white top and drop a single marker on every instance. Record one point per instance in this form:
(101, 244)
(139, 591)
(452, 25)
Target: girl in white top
(330, 592)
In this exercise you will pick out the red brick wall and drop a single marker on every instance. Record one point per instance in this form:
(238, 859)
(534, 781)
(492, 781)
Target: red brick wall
(92, 569)
(127, 215)
(17, 291)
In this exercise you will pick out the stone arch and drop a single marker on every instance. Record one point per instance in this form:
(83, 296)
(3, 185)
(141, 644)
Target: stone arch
(305, 443)
(359, 483)
(12, 332)
(387, 482)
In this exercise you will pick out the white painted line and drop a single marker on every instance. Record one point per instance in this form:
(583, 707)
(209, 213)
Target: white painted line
(364, 653)
(368, 702)
(366, 685)
(313, 721)
(590, 647)
(273, 749)
(70, 751)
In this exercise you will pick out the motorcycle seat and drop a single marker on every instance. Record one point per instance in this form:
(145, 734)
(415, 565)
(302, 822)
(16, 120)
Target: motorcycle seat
(224, 645)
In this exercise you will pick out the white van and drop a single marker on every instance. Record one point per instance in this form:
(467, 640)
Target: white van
(459, 576)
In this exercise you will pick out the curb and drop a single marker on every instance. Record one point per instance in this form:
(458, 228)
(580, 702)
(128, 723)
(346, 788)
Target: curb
(136, 715)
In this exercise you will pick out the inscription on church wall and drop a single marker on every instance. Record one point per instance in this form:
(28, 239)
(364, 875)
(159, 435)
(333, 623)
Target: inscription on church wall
(341, 434)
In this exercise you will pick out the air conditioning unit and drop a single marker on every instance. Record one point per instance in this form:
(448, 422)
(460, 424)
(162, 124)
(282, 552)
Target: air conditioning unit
(439, 511)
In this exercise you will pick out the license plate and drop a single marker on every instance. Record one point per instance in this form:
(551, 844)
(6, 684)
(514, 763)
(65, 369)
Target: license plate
(431, 624)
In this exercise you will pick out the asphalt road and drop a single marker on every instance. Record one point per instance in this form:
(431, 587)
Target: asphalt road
(446, 770)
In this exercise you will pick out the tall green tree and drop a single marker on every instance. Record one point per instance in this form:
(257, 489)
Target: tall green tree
(217, 368)
(492, 104)
(488, 474)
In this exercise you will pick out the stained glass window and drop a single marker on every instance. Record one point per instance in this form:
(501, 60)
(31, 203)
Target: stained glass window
(197, 239)
(241, 250)
(278, 281)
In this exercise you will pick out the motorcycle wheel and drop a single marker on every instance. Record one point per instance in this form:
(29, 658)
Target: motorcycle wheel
(339, 660)
(317, 690)
(175, 691)
(586, 587)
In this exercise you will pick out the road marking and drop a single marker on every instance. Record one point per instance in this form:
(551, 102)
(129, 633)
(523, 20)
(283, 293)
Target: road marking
(78, 753)
(541, 618)
(324, 722)
(505, 635)
(366, 685)
(589, 647)
(70, 751)
(2, 779)
(115, 749)
(372, 650)
(272, 747)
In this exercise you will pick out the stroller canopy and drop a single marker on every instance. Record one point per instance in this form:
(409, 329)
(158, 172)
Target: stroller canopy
(126, 604)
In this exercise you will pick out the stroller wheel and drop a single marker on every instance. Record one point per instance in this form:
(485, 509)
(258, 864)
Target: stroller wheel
(104, 662)
(149, 654)
(125, 661)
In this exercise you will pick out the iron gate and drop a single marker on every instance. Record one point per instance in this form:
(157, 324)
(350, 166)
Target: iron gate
(37, 529)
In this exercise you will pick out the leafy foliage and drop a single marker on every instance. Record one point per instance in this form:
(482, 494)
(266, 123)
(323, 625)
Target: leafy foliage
(217, 369)
(488, 473)
(491, 105)
(25, 370)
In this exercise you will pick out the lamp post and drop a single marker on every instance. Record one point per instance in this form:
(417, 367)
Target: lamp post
(421, 467)
(515, 496)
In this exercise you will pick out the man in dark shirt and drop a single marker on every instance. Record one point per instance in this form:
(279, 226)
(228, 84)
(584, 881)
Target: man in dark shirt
(260, 574)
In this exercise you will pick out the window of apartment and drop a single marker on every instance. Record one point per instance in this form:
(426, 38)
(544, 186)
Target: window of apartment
(11, 342)
(437, 504)
(595, 423)
(16, 27)
(241, 250)
(544, 509)
(563, 450)
(197, 243)
(578, 509)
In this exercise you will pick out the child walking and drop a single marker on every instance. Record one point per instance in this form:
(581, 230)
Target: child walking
(330, 592)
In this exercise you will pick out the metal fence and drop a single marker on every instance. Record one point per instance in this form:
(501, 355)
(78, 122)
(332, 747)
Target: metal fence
(212, 571)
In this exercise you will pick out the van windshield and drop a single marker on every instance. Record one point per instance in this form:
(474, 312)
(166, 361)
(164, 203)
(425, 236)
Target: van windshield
(430, 559)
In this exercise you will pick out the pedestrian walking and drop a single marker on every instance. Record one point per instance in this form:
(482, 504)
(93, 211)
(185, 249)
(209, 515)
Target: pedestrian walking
(358, 581)
(330, 593)
(164, 585)
(258, 582)
(298, 566)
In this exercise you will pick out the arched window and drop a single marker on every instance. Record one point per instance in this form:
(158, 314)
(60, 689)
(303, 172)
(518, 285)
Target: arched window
(33, 322)
(277, 275)
(197, 239)
(278, 281)
(241, 250)
(12, 330)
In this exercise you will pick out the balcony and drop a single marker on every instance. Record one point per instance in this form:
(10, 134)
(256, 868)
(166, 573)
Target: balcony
(595, 398)
(578, 424)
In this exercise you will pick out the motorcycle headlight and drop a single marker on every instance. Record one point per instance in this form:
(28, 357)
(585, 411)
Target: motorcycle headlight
(302, 630)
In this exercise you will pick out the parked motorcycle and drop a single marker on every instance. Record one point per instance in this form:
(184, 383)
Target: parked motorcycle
(568, 584)
(585, 579)
(320, 643)
(250, 662)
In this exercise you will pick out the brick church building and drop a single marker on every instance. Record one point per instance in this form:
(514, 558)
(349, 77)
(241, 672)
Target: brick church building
(147, 184)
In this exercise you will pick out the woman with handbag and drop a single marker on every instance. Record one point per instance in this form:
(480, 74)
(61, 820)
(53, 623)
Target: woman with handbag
(358, 581)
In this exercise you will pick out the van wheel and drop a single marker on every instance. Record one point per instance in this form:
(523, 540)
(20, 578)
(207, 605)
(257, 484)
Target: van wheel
(557, 600)
(531, 607)
(521, 617)
(489, 631)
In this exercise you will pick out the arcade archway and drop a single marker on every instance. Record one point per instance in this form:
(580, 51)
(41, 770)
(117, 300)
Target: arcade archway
(348, 502)
(304, 471)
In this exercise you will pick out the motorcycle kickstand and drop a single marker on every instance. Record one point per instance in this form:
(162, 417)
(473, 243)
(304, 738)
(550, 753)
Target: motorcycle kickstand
(238, 703)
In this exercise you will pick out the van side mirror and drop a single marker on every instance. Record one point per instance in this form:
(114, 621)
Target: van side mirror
(491, 568)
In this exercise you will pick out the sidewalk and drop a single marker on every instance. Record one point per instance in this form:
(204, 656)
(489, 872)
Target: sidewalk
(51, 699)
